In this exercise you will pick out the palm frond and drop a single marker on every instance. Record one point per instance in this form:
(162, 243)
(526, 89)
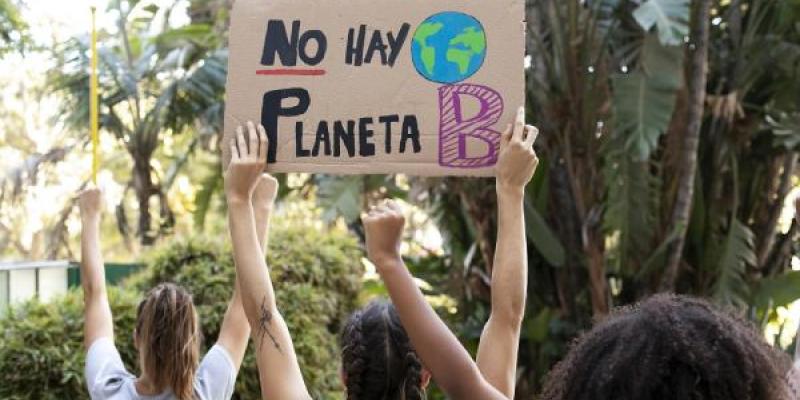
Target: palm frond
(644, 99)
(631, 207)
(340, 196)
(670, 17)
(735, 254)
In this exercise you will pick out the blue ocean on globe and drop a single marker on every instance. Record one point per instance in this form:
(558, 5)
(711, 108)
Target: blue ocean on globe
(449, 47)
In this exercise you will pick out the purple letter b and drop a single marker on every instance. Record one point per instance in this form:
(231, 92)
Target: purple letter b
(454, 130)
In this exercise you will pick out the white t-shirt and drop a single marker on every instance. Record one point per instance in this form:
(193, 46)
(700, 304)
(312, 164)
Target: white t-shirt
(107, 378)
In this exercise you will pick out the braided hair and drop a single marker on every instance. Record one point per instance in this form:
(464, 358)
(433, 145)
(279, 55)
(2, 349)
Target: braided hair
(668, 348)
(378, 360)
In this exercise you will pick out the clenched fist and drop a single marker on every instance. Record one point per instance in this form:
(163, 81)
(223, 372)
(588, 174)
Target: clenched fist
(90, 202)
(383, 226)
(517, 160)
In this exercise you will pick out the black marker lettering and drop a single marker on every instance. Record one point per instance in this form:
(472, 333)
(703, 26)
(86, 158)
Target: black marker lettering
(388, 120)
(344, 136)
(355, 47)
(324, 138)
(396, 44)
(367, 148)
(300, 152)
(410, 132)
(272, 108)
(376, 45)
(277, 42)
(322, 47)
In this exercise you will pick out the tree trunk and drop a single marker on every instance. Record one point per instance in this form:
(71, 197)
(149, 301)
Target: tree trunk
(143, 186)
(598, 284)
(785, 185)
(568, 230)
(697, 93)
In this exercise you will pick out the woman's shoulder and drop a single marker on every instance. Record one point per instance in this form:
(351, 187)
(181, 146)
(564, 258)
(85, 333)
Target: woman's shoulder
(104, 370)
(216, 376)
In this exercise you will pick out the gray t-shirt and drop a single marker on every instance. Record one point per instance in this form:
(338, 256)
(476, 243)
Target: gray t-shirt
(107, 378)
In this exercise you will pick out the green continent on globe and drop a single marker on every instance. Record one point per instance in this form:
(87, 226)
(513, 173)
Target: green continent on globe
(427, 53)
(475, 43)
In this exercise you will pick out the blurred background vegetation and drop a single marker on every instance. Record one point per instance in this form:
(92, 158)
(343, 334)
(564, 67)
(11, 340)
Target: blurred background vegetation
(669, 147)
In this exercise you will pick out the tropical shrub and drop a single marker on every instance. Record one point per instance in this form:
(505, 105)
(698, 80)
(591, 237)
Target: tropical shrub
(41, 347)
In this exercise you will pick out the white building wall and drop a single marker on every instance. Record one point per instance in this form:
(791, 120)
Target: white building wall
(22, 285)
(52, 283)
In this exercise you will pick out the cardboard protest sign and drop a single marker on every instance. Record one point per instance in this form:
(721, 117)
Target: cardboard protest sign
(422, 87)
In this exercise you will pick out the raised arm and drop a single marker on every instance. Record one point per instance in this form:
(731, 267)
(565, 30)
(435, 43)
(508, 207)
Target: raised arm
(97, 313)
(499, 345)
(278, 370)
(235, 330)
(441, 353)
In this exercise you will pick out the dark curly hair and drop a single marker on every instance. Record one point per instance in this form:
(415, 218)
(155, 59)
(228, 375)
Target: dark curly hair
(668, 348)
(378, 361)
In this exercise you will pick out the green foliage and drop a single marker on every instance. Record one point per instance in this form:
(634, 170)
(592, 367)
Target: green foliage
(644, 99)
(735, 255)
(317, 276)
(777, 291)
(345, 195)
(542, 237)
(13, 29)
(41, 347)
(341, 196)
(632, 201)
(671, 17)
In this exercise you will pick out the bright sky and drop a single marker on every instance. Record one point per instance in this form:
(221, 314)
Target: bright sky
(66, 18)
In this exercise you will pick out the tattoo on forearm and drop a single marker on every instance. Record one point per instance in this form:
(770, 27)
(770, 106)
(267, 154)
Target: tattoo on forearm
(264, 323)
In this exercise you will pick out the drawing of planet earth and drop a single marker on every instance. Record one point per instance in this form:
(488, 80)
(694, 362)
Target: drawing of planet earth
(449, 47)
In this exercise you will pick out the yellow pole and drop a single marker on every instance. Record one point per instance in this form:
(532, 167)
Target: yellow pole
(93, 101)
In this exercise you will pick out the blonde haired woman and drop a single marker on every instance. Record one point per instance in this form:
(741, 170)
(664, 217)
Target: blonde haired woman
(167, 334)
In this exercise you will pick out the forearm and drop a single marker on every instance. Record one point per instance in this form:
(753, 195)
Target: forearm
(510, 270)
(92, 271)
(251, 270)
(235, 329)
(97, 312)
(440, 351)
(262, 217)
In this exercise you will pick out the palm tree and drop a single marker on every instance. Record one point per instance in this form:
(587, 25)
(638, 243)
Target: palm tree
(153, 84)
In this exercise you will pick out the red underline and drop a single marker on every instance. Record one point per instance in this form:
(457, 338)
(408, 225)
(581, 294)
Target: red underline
(291, 71)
